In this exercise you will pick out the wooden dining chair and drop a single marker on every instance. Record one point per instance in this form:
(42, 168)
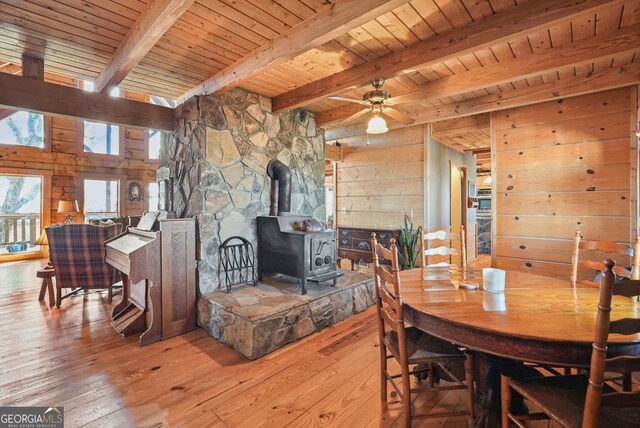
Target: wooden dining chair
(601, 249)
(586, 401)
(438, 244)
(414, 350)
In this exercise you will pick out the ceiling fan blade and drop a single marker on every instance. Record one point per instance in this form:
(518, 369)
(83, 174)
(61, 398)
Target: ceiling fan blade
(356, 115)
(348, 100)
(411, 97)
(398, 115)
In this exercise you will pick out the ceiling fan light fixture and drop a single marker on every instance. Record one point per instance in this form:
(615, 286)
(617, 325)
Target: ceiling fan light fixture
(377, 124)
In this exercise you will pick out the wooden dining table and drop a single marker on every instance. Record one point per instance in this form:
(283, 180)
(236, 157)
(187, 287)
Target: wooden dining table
(536, 319)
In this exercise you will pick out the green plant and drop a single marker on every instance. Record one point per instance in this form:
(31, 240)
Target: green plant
(408, 240)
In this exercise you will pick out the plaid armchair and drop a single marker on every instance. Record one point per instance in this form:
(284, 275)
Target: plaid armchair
(77, 254)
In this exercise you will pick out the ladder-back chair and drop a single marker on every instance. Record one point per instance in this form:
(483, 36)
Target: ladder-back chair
(414, 350)
(587, 401)
(439, 244)
(598, 249)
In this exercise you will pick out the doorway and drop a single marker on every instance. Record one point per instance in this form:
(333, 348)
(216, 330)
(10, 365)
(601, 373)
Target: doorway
(458, 205)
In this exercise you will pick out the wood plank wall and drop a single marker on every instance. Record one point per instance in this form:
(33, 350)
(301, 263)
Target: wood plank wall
(562, 166)
(380, 181)
(69, 164)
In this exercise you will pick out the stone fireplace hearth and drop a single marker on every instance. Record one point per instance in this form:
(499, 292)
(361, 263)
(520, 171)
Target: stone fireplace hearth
(258, 320)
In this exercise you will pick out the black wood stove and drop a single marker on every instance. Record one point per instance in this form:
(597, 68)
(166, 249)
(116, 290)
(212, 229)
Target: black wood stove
(286, 245)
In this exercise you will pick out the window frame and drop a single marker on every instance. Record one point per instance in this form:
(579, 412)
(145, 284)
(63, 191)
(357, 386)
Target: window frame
(121, 142)
(146, 147)
(46, 135)
(122, 191)
(147, 198)
(45, 208)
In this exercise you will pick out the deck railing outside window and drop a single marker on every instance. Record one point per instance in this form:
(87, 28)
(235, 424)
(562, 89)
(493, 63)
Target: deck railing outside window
(19, 228)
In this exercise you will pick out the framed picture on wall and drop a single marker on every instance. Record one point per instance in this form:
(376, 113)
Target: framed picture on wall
(134, 193)
(472, 190)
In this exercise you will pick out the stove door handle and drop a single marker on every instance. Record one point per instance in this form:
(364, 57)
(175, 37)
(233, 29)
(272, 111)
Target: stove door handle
(321, 246)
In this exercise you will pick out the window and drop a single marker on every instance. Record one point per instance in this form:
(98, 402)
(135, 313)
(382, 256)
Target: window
(21, 128)
(154, 143)
(152, 191)
(100, 199)
(101, 137)
(20, 211)
(155, 136)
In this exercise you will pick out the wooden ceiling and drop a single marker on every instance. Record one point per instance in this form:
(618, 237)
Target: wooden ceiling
(446, 58)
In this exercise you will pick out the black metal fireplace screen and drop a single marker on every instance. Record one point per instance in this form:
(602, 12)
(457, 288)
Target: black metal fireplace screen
(236, 266)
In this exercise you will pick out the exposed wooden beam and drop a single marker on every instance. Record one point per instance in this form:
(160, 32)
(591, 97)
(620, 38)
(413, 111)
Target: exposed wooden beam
(334, 20)
(32, 67)
(582, 52)
(153, 22)
(5, 113)
(585, 51)
(333, 153)
(41, 97)
(513, 22)
(617, 77)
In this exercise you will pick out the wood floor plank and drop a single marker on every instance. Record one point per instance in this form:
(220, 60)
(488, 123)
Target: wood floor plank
(73, 357)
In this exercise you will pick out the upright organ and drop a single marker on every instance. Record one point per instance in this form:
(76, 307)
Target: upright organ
(158, 274)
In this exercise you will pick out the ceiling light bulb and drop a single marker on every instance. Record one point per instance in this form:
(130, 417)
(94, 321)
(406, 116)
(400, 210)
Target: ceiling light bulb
(376, 125)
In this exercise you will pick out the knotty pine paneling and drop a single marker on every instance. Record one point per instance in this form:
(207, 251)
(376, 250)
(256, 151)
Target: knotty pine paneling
(546, 249)
(582, 155)
(67, 161)
(562, 166)
(600, 128)
(543, 226)
(380, 180)
(604, 177)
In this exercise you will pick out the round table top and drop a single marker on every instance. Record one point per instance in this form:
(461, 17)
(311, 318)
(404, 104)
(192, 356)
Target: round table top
(537, 318)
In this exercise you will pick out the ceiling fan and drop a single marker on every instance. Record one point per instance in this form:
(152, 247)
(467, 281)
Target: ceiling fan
(379, 103)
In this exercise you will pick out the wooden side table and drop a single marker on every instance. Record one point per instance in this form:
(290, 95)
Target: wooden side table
(47, 283)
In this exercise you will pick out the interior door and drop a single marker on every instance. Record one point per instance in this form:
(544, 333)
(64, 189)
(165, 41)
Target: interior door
(458, 206)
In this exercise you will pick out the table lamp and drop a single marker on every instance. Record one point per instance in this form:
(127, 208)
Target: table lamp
(69, 206)
(43, 241)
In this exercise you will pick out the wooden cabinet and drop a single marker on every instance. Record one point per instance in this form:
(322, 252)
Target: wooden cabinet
(354, 243)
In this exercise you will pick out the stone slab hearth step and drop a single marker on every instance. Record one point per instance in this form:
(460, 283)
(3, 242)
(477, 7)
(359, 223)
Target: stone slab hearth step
(258, 320)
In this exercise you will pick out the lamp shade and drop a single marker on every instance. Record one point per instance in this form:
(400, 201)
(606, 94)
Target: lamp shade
(42, 240)
(68, 206)
(376, 125)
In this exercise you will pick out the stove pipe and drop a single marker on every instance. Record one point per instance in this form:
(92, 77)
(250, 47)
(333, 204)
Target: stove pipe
(279, 171)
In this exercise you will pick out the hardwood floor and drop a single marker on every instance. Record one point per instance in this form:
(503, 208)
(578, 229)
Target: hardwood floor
(72, 357)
